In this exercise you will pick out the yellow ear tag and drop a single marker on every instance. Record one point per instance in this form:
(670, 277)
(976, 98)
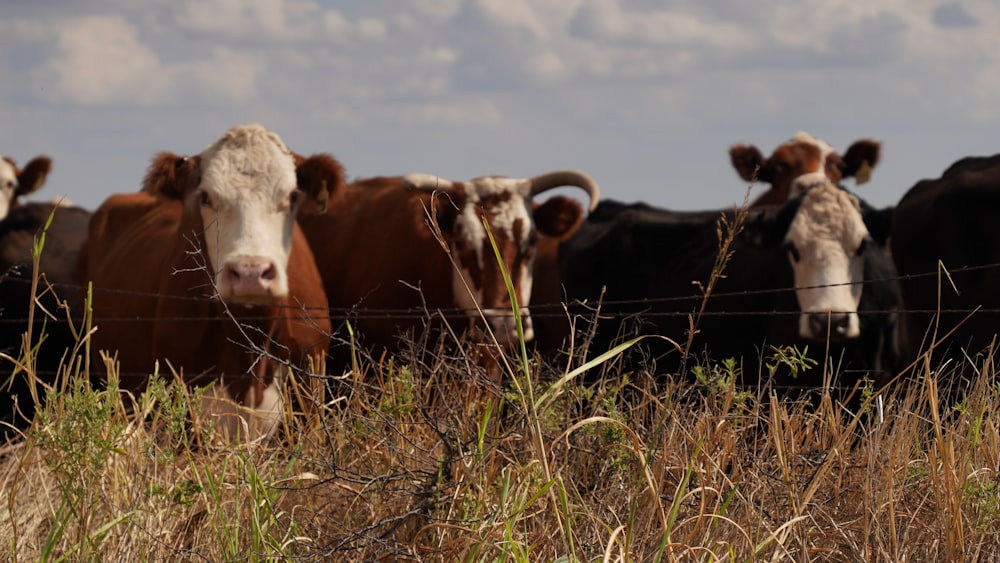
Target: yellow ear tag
(863, 174)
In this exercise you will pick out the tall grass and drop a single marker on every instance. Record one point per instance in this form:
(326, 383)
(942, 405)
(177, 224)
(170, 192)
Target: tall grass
(402, 467)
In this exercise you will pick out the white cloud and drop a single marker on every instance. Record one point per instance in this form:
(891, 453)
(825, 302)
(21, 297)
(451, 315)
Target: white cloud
(514, 14)
(229, 76)
(437, 56)
(100, 60)
(249, 19)
(609, 20)
(339, 29)
(549, 66)
(438, 10)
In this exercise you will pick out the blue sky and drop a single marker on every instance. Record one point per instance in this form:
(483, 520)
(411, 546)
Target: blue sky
(646, 96)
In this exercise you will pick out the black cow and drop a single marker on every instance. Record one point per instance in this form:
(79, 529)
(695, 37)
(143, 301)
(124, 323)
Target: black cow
(58, 285)
(952, 219)
(647, 261)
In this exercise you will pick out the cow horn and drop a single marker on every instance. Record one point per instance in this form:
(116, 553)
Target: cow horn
(428, 182)
(558, 178)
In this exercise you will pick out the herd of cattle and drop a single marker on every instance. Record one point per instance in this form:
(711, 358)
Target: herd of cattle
(239, 266)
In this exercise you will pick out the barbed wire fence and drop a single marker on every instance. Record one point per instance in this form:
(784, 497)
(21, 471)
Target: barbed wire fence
(537, 309)
(676, 306)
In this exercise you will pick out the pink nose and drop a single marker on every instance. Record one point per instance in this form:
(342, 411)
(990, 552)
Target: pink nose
(250, 277)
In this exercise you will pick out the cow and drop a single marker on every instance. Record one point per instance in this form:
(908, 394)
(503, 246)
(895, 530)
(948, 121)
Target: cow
(813, 272)
(801, 161)
(58, 302)
(418, 242)
(951, 220)
(16, 182)
(206, 272)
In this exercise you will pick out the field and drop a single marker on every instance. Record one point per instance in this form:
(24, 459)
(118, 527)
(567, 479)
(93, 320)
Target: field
(423, 458)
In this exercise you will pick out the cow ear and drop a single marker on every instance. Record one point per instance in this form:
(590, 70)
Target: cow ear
(559, 217)
(748, 162)
(32, 177)
(321, 177)
(170, 175)
(446, 206)
(860, 158)
(878, 222)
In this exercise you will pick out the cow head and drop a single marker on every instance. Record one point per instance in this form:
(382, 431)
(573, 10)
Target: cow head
(15, 183)
(803, 160)
(515, 221)
(825, 236)
(245, 189)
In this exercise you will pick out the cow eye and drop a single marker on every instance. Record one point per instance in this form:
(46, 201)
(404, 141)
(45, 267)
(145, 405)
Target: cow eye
(206, 200)
(9, 185)
(792, 251)
(863, 246)
(294, 197)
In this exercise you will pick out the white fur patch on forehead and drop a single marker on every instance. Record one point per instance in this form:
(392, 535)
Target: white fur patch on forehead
(825, 149)
(250, 152)
(830, 213)
(506, 204)
(485, 186)
(427, 180)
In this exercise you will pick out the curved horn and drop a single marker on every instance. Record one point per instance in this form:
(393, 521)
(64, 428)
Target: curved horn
(558, 178)
(428, 182)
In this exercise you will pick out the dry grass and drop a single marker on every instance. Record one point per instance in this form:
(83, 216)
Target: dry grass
(425, 460)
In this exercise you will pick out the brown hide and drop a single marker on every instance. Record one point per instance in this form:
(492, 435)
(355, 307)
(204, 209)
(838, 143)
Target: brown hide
(369, 244)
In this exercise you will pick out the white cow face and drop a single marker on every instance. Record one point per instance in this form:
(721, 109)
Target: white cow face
(248, 197)
(826, 242)
(8, 186)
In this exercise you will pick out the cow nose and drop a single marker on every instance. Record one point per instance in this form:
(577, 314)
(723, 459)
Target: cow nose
(836, 325)
(505, 329)
(250, 277)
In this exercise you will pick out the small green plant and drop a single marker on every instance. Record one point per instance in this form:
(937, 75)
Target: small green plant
(82, 429)
(400, 401)
(792, 357)
(718, 377)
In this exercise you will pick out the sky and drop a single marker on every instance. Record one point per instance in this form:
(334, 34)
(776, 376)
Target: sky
(646, 96)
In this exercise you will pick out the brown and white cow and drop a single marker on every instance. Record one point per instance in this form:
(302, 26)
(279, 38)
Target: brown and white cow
(206, 269)
(16, 182)
(382, 228)
(802, 161)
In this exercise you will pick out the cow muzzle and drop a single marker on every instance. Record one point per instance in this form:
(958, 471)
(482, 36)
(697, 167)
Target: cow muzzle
(823, 325)
(250, 278)
(505, 328)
